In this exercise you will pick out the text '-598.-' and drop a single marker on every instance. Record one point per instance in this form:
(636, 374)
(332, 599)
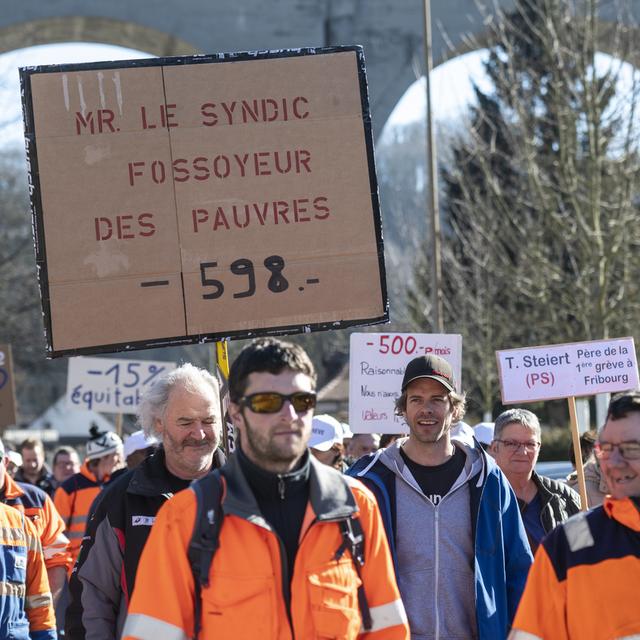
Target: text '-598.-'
(278, 280)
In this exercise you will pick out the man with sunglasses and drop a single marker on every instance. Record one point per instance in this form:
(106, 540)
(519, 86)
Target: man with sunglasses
(544, 503)
(584, 581)
(284, 567)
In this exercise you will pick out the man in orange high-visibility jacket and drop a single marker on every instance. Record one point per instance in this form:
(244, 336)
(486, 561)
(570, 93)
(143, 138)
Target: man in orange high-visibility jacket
(49, 526)
(26, 608)
(74, 497)
(282, 570)
(583, 582)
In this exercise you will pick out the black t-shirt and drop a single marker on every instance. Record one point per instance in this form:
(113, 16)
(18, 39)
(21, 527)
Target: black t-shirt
(435, 482)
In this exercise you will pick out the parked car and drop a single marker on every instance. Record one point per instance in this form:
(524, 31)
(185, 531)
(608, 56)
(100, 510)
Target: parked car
(558, 469)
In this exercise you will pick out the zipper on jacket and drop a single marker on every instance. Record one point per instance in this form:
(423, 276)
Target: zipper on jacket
(286, 579)
(437, 570)
(475, 544)
(281, 487)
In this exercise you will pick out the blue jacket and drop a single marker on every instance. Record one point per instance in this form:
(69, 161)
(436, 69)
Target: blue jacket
(502, 552)
(26, 608)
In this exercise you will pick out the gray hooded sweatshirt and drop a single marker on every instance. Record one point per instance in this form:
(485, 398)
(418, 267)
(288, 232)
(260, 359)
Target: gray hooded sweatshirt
(435, 551)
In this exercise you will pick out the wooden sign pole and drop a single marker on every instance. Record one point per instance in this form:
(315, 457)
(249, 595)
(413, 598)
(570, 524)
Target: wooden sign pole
(222, 373)
(575, 434)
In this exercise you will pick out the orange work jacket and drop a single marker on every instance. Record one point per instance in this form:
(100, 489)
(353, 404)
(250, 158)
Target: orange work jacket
(73, 499)
(39, 508)
(26, 608)
(584, 578)
(244, 600)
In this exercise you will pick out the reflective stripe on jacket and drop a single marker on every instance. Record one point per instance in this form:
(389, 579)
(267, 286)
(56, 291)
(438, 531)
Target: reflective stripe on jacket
(583, 582)
(73, 499)
(26, 608)
(38, 507)
(244, 600)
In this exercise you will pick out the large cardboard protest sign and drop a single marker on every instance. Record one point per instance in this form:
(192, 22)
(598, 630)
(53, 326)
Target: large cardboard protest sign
(188, 199)
(376, 366)
(567, 370)
(111, 385)
(7, 388)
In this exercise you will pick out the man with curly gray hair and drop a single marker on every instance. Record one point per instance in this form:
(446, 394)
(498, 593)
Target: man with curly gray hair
(182, 410)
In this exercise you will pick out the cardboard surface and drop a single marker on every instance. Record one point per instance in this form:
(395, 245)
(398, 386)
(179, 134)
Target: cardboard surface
(7, 388)
(115, 310)
(567, 370)
(94, 231)
(66, 100)
(246, 182)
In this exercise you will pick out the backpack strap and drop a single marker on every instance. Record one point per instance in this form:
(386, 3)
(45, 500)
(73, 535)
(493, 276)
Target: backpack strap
(205, 538)
(353, 540)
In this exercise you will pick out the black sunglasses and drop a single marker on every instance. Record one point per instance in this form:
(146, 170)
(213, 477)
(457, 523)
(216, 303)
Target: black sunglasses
(272, 402)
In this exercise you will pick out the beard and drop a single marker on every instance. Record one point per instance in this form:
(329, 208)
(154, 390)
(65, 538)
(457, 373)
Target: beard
(266, 449)
(190, 454)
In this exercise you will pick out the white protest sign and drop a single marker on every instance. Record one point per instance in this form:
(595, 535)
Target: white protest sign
(376, 366)
(567, 370)
(109, 385)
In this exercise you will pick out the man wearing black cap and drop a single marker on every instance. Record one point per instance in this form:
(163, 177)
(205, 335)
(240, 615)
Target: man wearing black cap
(461, 553)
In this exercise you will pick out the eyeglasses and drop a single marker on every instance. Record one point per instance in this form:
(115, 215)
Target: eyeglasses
(513, 445)
(272, 402)
(628, 450)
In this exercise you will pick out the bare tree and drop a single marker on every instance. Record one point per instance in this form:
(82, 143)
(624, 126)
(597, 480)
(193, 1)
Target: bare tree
(541, 199)
(38, 382)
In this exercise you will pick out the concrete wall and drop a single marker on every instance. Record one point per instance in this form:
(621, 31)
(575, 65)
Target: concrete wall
(391, 31)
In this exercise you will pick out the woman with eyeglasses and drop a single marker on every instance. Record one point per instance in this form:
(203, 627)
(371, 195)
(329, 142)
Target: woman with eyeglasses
(544, 503)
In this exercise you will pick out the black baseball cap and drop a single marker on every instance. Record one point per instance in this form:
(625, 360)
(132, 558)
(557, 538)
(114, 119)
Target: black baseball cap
(433, 367)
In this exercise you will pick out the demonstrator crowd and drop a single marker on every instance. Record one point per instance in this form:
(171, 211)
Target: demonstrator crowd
(298, 536)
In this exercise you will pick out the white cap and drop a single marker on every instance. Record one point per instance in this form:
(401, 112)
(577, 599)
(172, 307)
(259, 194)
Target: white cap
(14, 457)
(346, 431)
(325, 432)
(483, 432)
(137, 441)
